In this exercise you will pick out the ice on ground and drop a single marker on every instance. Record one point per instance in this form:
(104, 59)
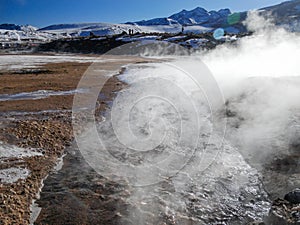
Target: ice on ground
(176, 38)
(12, 175)
(40, 94)
(194, 42)
(144, 38)
(197, 29)
(10, 151)
(14, 62)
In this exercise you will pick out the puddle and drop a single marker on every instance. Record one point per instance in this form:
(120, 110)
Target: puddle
(40, 94)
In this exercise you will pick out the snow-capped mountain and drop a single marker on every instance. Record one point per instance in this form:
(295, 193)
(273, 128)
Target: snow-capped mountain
(85, 29)
(286, 14)
(23, 33)
(104, 29)
(197, 16)
(15, 27)
(197, 20)
(7, 26)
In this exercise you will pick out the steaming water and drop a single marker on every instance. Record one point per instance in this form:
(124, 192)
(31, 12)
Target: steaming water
(174, 125)
(260, 82)
(229, 190)
(260, 79)
(216, 185)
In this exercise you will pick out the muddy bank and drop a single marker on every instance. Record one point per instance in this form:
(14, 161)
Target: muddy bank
(39, 125)
(78, 195)
(48, 137)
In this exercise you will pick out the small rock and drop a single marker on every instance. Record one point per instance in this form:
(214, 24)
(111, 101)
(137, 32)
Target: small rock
(257, 223)
(293, 197)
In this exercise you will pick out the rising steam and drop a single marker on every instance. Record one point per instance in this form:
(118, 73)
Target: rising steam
(260, 80)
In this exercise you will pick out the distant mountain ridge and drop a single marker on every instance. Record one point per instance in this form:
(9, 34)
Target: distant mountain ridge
(69, 26)
(286, 14)
(197, 16)
(198, 20)
(7, 26)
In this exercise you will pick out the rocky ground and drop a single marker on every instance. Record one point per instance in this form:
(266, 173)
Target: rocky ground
(285, 212)
(43, 126)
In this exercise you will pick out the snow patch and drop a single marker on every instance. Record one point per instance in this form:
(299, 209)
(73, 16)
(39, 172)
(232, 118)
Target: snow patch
(12, 175)
(10, 151)
(144, 38)
(176, 38)
(13, 62)
(40, 94)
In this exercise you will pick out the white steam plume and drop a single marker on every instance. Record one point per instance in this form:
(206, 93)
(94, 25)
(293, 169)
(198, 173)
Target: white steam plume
(260, 78)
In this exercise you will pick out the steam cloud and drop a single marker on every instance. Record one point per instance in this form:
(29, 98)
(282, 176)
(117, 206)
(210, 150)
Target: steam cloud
(260, 79)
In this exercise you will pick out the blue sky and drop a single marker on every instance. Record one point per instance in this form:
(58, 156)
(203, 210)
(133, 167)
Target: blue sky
(46, 12)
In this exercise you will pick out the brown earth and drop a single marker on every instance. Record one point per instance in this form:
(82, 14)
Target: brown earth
(58, 77)
(49, 132)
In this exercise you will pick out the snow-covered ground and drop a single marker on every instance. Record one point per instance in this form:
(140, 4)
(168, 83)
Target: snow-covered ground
(175, 38)
(138, 38)
(15, 62)
(26, 34)
(9, 152)
(86, 29)
(103, 29)
(194, 43)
